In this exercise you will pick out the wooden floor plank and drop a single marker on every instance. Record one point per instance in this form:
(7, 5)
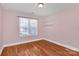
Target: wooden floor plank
(38, 48)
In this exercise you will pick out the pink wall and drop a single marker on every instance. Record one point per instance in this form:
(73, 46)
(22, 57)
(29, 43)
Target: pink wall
(1, 39)
(63, 27)
(11, 27)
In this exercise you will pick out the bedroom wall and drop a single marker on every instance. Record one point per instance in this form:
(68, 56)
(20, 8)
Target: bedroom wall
(63, 27)
(11, 27)
(1, 39)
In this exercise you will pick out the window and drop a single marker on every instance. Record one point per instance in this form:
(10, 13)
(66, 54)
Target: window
(33, 27)
(28, 27)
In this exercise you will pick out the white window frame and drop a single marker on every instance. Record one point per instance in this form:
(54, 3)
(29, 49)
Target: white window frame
(29, 26)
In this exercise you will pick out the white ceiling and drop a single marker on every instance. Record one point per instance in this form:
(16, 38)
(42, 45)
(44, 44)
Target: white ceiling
(49, 8)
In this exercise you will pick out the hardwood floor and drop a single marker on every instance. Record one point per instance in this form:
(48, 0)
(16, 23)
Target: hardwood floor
(38, 48)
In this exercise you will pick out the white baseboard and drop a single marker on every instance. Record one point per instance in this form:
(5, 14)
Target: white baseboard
(1, 50)
(7, 45)
(70, 47)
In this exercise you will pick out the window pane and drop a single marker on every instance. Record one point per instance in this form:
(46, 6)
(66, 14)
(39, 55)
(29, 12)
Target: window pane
(33, 27)
(23, 23)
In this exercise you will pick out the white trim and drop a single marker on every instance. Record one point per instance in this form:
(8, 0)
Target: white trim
(7, 45)
(17, 44)
(61, 44)
(70, 47)
(1, 50)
